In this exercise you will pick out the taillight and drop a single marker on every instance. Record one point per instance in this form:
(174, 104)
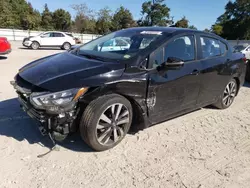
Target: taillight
(244, 59)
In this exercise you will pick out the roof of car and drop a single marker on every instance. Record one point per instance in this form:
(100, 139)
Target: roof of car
(169, 29)
(173, 30)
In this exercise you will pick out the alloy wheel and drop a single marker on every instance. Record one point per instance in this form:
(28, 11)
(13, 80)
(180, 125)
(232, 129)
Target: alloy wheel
(111, 124)
(66, 46)
(229, 93)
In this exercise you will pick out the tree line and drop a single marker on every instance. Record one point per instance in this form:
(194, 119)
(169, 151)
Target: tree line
(19, 14)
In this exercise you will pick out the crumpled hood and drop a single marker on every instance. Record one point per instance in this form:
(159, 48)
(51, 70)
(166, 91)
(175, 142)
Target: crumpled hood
(65, 70)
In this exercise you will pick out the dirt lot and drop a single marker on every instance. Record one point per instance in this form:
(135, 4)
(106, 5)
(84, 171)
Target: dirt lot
(206, 148)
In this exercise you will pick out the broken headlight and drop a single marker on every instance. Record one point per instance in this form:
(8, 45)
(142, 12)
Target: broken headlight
(56, 101)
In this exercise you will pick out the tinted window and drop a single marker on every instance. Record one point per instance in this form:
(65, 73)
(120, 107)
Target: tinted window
(210, 47)
(108, 43)
(58, 35)
(223, 48)
(182, 48)
(239, 48)
(121, 42)
(69, 34)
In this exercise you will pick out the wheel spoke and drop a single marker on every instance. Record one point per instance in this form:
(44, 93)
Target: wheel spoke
(104, 137)
(120, 131)
(225, 98)
(103, 125)
(118, 111)
(115, 135)
(123, 121)
(227, 88)
(123, 114)
(113, 111)
(105, 118)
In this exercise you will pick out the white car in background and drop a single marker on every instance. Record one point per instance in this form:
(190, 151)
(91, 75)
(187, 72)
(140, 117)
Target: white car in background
(114, 45)
(243, 48)
(50, 39)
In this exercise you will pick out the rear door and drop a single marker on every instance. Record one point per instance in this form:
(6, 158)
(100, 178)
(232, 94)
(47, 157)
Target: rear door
(58, 39)
(213, 55)
(173, 91)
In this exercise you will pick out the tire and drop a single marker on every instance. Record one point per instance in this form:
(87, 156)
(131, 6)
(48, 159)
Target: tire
(35, 45)
(66, 46)
(227, 97)
(102, 135)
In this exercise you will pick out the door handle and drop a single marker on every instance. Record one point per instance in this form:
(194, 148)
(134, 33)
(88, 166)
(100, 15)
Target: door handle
(195, 72)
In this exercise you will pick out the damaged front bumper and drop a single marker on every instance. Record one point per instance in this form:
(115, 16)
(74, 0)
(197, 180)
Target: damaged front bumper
(59, 125)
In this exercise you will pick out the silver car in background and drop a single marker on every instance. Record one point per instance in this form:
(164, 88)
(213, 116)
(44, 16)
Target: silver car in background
(245, 49)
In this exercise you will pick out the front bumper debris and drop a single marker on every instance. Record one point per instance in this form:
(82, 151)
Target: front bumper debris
(49, 123)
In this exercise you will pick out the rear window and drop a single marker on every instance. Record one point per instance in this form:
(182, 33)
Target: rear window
(210, 47)
(69, 34)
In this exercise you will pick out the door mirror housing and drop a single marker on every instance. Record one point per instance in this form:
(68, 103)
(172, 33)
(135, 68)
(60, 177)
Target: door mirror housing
(172, 63)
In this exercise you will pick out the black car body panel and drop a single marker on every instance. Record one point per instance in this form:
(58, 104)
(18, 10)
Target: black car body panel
(157, 94)
(55, 72)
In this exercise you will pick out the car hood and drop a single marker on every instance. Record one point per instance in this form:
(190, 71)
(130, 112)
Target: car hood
(65, 71)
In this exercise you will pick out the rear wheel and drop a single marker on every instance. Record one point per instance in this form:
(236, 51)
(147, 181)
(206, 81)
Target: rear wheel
(106, 121)
(35, 45)
(66, 46)
(227, 98)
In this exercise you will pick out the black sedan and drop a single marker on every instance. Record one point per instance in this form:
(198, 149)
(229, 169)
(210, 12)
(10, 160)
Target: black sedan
(137, 76)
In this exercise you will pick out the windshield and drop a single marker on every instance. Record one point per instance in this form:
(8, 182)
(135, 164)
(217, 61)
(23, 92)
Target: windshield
(239, 48)
(120, 45)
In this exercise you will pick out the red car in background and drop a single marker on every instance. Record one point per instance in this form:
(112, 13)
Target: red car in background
(5, 47)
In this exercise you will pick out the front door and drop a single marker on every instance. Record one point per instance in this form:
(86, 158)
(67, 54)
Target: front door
(46, 39)
(173, 91)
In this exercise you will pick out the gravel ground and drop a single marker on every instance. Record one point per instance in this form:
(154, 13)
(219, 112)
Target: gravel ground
(206, 148)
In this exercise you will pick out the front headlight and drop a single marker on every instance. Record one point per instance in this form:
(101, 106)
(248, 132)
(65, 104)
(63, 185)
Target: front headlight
(59, 99)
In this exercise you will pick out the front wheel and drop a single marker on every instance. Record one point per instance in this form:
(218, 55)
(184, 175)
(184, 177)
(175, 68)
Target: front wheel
(35, 45)
(106, 121)
(229, 93)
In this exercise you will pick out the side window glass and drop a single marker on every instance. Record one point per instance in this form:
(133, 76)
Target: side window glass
(210, 47)
(156, 58)
(46, 35)
(108, 43)
(121, 42)
(223, 48)
(58, 35)
(182, 48)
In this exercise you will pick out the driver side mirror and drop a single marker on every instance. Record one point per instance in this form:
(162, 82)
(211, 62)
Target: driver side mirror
(172, 63)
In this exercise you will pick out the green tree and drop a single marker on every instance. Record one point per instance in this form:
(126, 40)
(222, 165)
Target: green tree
(192, 27)
(235, 22)
(61, 20)
(84, 21)
(47, 19)
(104, 24)
(155, 13)
(122, 19)
(31, 19)
(6, 14)
(206, 30)
(18, 14)
(217, 29)
(183, 23)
